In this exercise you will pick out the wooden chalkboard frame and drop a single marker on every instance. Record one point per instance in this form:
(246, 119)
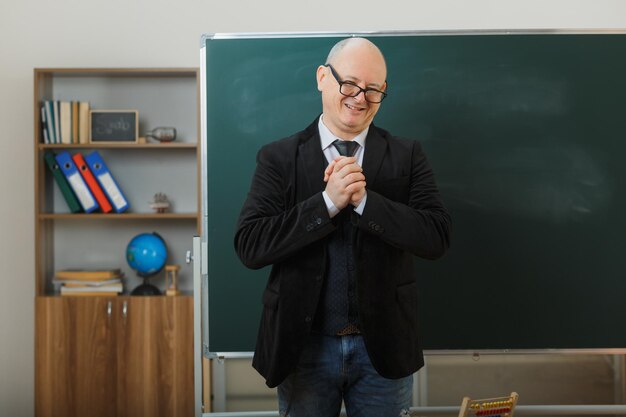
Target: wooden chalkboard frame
(130, 116)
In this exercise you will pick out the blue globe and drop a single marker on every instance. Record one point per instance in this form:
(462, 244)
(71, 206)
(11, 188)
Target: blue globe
(146, 253)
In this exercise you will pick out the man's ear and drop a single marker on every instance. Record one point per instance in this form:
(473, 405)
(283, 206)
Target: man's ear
(320, 75)
(384, 87)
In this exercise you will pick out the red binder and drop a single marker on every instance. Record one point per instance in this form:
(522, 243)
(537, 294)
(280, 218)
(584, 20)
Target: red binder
(93, 185)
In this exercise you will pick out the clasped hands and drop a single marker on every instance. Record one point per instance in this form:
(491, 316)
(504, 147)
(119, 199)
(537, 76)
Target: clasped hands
(345, 182)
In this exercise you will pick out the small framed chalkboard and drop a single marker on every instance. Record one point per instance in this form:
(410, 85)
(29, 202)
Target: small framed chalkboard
(113, 126)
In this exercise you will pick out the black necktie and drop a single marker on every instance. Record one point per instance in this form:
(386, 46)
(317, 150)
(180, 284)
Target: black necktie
(346, 147)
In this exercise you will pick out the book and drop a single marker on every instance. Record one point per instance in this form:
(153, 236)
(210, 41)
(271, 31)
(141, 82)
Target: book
(69, 196)
(88, 274)
(50, 127)
(44, 125)
(112, 288)
(83, 122)
(89, 294)
(58, 284)
(75, 122)
(83, 283)
(57, 121)
(65, 116)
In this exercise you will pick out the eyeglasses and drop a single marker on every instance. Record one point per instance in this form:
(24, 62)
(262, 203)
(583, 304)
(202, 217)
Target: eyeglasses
(350, 89)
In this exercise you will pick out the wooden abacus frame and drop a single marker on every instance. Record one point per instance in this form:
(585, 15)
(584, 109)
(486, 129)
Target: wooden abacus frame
(489, 407)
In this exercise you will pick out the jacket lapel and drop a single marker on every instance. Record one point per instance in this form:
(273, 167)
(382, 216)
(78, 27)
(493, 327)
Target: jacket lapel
(312, 159)
(375, 149)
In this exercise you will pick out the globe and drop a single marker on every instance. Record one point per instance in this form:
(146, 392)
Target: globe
(146, 253)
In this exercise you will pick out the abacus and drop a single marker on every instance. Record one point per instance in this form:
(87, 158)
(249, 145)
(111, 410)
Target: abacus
(489, 407)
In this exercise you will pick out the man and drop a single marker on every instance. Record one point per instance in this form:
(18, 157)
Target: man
(340, 307)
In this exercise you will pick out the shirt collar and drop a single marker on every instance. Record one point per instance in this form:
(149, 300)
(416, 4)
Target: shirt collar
(327, 137)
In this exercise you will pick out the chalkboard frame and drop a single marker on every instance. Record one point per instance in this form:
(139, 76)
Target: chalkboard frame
(226, 36)
(132, 116)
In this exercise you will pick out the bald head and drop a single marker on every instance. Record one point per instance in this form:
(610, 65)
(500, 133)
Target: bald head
(358, 46)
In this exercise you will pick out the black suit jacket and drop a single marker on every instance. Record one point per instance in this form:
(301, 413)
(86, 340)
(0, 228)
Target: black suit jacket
(284, 223)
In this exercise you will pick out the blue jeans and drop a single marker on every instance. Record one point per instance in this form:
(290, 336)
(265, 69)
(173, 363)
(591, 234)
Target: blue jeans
(336, 368)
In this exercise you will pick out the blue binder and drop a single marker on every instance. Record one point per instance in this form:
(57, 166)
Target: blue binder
(110, 187)
(76, 181)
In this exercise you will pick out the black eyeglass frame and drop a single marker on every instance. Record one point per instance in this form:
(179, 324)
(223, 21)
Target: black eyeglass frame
(361, 90)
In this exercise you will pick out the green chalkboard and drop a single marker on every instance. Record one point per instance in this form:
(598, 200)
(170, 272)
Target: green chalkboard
(526, 134)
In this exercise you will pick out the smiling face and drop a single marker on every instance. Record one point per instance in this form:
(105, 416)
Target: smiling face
(362, 63)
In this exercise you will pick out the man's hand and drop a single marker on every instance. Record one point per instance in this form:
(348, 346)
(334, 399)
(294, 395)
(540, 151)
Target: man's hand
(345, 182)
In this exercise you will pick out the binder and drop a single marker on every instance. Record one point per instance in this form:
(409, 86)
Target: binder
(107, 182)
(80, 188)
(64, 186)
(92, 183)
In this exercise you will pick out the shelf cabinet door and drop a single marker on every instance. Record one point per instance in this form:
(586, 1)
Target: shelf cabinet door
(121, 356)
(75, 357)
(155, 357)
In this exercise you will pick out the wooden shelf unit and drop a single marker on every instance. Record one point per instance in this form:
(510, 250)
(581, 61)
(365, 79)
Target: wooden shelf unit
(125, 355)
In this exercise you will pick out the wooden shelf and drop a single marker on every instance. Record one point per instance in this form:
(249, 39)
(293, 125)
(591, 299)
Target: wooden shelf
(118, 72)
(168, 145)
(120, 216)
(184, 294)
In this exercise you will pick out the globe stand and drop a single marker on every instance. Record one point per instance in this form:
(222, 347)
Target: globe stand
(146, 289)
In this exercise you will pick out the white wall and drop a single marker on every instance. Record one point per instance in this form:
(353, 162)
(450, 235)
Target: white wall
(142, 33)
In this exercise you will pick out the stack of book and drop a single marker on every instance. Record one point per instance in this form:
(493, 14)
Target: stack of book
(65, 122)
(100, 282)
